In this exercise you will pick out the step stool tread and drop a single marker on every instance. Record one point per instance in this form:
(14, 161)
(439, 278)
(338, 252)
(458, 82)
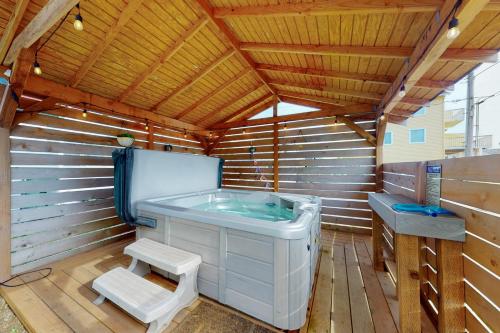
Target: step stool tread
(143, 299)
(165, 257)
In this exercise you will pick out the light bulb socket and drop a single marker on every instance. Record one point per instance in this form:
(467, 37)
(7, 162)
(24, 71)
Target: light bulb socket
(36, 68)
(78, 17)
(453, 23)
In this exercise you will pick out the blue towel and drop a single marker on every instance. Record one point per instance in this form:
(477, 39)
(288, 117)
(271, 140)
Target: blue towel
(422, 209)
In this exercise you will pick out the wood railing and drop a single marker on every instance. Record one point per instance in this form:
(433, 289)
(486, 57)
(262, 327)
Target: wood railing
(471, 188)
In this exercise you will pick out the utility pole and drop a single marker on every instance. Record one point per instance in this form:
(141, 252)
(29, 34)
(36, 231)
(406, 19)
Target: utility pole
(469, 116)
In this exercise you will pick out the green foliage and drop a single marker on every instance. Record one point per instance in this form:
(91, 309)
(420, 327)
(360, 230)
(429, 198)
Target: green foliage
(126, 135)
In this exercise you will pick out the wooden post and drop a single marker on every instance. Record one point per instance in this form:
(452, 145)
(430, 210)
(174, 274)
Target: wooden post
(4, 204)
(450, 269)
(377, 242)
(408, 285)
(379, 175)
(151, 137)
(276, 177)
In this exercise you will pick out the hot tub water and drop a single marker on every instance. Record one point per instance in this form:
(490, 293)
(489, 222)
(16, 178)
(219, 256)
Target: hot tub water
(261, 211)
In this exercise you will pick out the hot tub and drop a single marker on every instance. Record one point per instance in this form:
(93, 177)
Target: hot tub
(259, 249)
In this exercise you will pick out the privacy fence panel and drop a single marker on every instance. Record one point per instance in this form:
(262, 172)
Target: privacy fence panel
(62, 182)
(316, 157)
(471, 188)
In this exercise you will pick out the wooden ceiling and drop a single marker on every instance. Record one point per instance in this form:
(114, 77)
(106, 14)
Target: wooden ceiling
(210, 62)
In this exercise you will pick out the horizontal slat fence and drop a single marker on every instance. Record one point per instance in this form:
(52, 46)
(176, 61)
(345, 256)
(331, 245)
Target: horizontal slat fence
(316, 157)
(471, 188)
(62, 182)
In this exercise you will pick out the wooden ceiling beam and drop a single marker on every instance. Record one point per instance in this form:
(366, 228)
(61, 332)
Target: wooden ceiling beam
(358, 129)
(193, 81)
(304, 102)
(364, 77)
(466, 55)
(228, 34)
(333, 111)
(351, 93)
(165, 56)
(12, 26)
(244, 115)
(43, 105)
(13, 92)
(71, 95)
(312, 98)
(214, 93)
(247, 107)
(430, 47)
(331, 7)
(322, 88)
(53, 11)
(114, 30)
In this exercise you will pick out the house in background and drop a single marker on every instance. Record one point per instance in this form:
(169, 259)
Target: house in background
(421, 139)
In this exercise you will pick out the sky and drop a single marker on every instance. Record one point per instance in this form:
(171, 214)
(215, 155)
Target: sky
(486, 83)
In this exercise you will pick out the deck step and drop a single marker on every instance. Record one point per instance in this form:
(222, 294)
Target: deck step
(141, 298)
(165, 257)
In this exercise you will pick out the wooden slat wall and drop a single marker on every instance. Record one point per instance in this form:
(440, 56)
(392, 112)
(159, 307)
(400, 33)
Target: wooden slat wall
(62, 182)
(316, 157)
(471, 188)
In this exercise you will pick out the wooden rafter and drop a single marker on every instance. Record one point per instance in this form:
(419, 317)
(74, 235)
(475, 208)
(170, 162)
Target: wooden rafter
(11, 28)
(319, 99)
(331, 7)
(20, 74)
(44, 104)
(234, 100)
(250, 113)
(111, 34)
(358, 129)
(249, 106)
(351, 93)
(304, 102)
(164, 57)
(467, 55)
(214, 93)
(192, 81)
(333, 111)
(323, 88)
(211, 146)
(364, 77)
(205, 5)
(53, 11)
(71, 95)
(430, 48)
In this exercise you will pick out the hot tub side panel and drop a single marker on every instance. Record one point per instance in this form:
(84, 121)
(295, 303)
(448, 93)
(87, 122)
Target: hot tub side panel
(266, 277)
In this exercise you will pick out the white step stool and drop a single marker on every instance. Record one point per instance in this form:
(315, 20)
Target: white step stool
(143, 299)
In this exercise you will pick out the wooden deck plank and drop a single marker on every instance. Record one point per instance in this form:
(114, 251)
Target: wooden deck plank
(359, 305)
(348, 294)
(341, 311)
(320, 313)
(379, 307)
(74, 315)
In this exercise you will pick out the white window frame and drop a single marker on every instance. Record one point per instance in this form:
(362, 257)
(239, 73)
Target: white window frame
(417, 129)
(392, 138)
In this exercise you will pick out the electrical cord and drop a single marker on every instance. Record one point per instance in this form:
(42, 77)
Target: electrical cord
(5, 283)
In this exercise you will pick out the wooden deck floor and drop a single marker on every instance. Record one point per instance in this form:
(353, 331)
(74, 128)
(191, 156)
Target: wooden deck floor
(350, 296)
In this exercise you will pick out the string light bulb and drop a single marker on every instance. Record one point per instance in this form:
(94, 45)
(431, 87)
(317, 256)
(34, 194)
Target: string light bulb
(147, 126)
(84, 113)
(402, 91)
(244, 131)
(382, 117)
(211, 134)
(185, 134)
(78, 24)
(285, 127)
(36, 66)
(453, 29)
